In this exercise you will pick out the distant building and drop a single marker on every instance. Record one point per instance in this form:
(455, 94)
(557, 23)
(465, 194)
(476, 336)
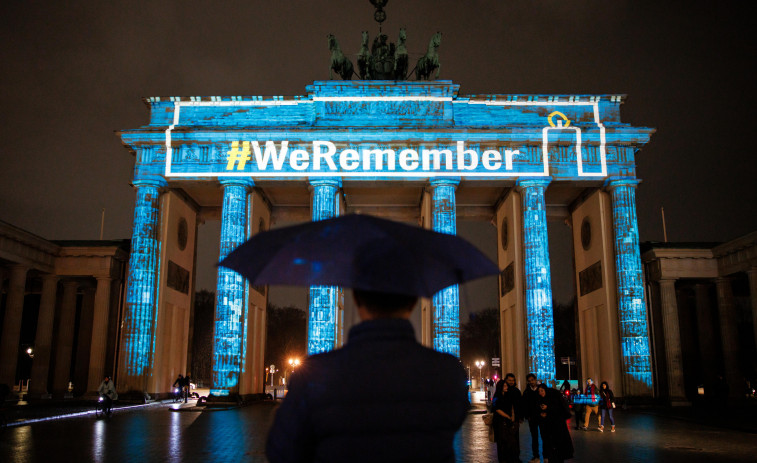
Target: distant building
(703, 308)
(63, 300)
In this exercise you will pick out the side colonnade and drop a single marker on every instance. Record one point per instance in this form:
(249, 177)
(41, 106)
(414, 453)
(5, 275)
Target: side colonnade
(76, 289)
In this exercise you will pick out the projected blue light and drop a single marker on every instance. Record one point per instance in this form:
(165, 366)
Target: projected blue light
(539, 322)
(322, 316)
(447, 301)
(141, 294)
(379, 136)
(230, 292)
(632, 312)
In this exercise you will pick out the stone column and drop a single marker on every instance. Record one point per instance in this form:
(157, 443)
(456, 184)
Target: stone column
(230, 292)
(635, 354)
(99, 340)
(752, 272)
(324, 300)
(44, 336)
(729, 335)
(445, 303)
(64, 347)
(671, 329)
(84, 340)
(540, 329)
(140, 312)
(14, 309)
(708, 348)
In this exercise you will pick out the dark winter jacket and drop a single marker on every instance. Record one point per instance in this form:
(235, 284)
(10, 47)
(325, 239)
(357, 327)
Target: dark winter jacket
(557, 443)
(383, 397)
(530, 403)
(607, 398)
(515, 397)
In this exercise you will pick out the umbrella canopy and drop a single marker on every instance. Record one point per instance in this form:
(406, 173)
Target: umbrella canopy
(360, 252)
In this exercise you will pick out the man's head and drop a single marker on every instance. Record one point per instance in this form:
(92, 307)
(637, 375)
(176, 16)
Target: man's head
(531, 380)
(589, 382)
(372, 304)
(107, 378)
(510, 379)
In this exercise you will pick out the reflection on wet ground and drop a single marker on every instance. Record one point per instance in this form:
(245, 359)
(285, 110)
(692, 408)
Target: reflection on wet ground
(156, 434)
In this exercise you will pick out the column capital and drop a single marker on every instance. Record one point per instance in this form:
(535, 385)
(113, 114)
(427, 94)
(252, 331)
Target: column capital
(437, 181)
(152, 181)
(614, 182)
(105, 278)
(522, 183)
(50, 277)
(237, 181)
(335, 182)
(18, 268)
(71, 284)
(667, 280)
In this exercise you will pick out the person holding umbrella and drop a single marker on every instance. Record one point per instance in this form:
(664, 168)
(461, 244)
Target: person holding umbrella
(368, 401)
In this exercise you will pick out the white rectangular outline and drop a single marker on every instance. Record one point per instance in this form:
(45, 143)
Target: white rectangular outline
(545, 140)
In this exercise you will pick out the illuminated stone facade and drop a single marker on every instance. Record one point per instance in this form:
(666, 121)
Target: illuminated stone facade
(412, 151)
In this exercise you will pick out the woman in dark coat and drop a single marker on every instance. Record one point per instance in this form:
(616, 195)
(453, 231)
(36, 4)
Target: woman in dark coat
(558, 446)
(505, 431)
(606, 405)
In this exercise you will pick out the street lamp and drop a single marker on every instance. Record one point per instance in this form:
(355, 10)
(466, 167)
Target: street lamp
(480, 364)
(271, 370)
(293, 363)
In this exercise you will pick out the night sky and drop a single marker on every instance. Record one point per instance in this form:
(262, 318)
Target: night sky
(71, 73)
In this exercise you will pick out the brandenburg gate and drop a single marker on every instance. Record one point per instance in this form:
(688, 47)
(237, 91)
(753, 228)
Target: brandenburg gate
(414, 151)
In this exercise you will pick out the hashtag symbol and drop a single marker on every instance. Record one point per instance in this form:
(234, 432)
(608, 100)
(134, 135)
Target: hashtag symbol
(236, 155)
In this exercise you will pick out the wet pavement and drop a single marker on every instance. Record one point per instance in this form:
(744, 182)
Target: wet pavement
(155, 433)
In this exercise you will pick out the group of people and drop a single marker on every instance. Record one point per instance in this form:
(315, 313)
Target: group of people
(603, 404)
(546, 411)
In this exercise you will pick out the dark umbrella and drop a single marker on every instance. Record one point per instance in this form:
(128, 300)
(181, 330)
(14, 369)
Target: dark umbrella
(360, 252)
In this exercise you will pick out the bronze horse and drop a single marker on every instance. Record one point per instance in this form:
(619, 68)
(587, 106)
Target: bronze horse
(339, 63)
(430, 61)
(364, 59)
(400, 57)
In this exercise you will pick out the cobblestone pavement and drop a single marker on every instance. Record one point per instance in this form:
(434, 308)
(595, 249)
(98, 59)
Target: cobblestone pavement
(157, 434)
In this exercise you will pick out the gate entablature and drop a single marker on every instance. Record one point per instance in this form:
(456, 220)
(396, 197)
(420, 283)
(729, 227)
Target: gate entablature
(381, 130)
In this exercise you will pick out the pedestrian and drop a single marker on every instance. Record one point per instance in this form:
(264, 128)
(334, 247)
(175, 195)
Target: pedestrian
(578, 408)
(361, 403)
(553, 413)
(504, 424)
(517, 399)
(107, 392)
(591, 393)
(530, 407)
(187, 387)
(179, 386)
(606, 405)
(565, 386)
